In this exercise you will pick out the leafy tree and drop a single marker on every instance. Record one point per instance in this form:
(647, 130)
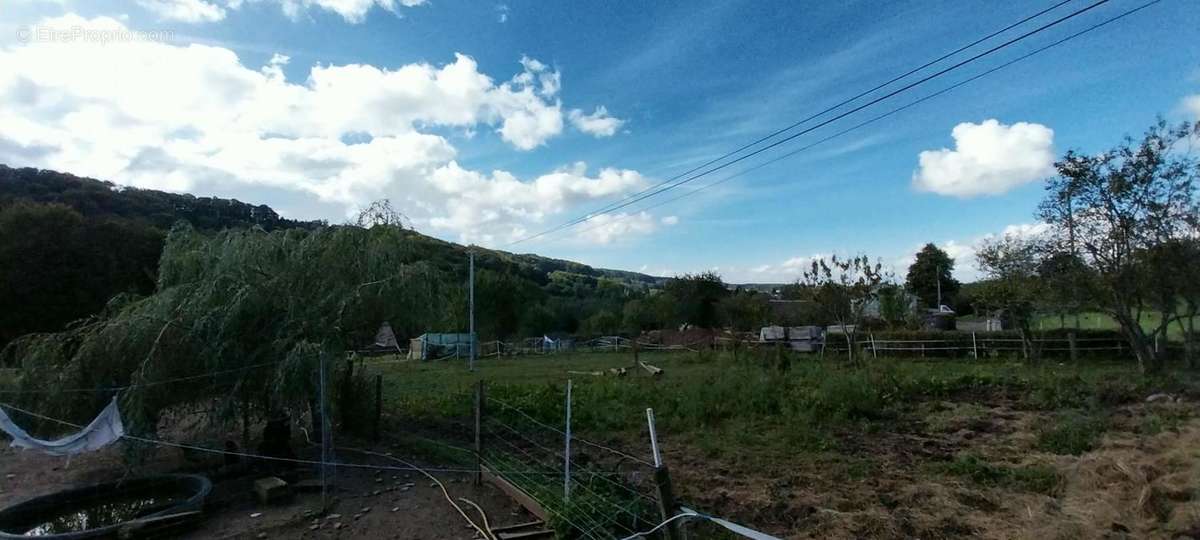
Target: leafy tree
(638, 316)
(695, 298)
(56, 266)
(1189, 292)
(744, 310)
(1014, 287)
(1069, 285)
(237, 299)
(931, 267)
(500, 300)
(537, 320)
(1115, 211)
(843, 289)
(895, 305)
(604, 323)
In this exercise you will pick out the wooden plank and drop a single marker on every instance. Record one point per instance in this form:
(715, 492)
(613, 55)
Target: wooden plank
(654, 370)
(521, 497)
(526, 525)
(526, 534)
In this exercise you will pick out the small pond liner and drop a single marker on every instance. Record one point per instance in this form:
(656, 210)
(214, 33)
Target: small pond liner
(103, 510)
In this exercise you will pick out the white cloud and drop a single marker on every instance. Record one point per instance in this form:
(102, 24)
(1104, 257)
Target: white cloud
(989, 158)
(492, 208)
(609, 228)
(670, 220)
(1192, 105)
(786, 271)
(599, 123)
(353, 11)
(502, 13)
(189, 11)
(183, 117)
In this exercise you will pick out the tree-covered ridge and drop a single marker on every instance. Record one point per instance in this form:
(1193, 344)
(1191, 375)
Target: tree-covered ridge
(69, 244)
(96, 198)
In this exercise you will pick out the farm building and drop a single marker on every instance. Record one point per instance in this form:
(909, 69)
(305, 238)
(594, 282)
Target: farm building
(433, 346)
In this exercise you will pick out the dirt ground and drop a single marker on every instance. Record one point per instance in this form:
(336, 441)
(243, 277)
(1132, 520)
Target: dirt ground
(884, 486)
(367, 504)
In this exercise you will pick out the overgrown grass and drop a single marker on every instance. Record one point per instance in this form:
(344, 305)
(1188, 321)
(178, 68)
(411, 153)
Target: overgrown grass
(1072, 432)
(723, 404)
(1033, 478)
(756, 415)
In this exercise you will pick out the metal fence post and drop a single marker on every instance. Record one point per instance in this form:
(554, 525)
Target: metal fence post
(974, 346)
(874, 353)
(479, 432)
(567, 451)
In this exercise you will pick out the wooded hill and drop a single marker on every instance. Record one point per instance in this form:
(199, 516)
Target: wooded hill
(70, 244)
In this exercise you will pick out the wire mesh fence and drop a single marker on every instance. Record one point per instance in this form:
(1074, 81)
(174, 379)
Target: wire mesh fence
(603, 495)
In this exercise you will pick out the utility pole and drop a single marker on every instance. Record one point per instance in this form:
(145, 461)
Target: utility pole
(471, 308)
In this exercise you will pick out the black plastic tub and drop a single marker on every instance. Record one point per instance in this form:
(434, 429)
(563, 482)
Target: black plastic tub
(101, 510)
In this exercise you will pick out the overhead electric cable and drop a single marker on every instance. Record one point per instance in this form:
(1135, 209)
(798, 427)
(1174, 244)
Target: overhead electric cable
(837, 105)
(882, 116)
(661, 188)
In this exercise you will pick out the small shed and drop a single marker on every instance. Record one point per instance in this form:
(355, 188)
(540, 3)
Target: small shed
(434, 346)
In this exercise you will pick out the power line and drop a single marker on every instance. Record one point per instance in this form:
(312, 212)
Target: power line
(660, 189)
(831, 108)
(879, 117)
(142, 385)
(160, 442)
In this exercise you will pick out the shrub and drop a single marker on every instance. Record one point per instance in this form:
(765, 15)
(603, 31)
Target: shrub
(1071, 433)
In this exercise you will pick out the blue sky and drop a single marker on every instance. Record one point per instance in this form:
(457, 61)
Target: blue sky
(488, 121)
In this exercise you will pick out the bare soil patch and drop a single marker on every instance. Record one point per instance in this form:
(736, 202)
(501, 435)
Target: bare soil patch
(366, 504)
(893, 483)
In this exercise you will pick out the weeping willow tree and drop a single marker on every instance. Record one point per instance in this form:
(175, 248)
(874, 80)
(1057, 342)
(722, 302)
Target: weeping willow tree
(226, 304)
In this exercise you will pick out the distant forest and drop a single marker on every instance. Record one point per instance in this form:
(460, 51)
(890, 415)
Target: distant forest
(69, 245)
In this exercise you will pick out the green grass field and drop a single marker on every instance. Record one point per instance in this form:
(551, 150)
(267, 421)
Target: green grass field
(756, 419)
(1100, 321)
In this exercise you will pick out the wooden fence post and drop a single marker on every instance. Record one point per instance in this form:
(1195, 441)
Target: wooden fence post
(874, 353)
(667, 506)
(479, 432)
(662, 481)
(1074, 348)
(974, 346)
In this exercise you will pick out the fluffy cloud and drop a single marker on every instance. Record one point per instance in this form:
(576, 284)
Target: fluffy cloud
(609, 228)
(189, 11)
(989, 158)
(491, 208)
(354, 11)
(1192, 105)
(162, 116)
(670, 220)
(599, 123)
(197, 11)
(785, 272)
